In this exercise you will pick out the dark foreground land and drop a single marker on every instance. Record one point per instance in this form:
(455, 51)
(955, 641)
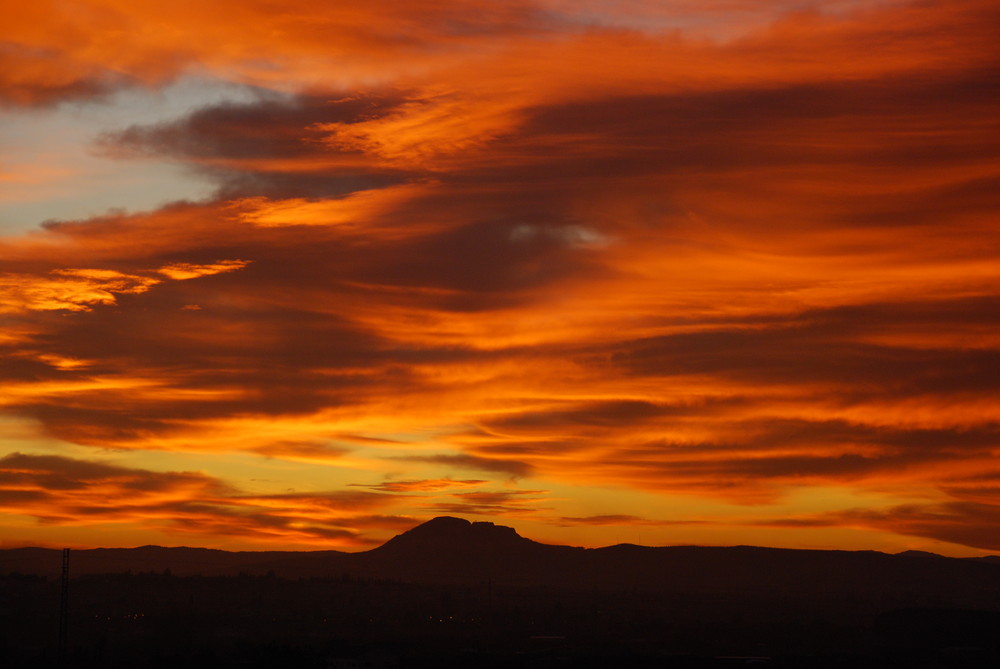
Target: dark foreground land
(451, 594)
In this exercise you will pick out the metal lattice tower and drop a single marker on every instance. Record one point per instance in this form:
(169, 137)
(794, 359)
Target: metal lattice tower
(64, 608)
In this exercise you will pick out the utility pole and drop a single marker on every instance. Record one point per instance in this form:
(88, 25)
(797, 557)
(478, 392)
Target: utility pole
(64, 609)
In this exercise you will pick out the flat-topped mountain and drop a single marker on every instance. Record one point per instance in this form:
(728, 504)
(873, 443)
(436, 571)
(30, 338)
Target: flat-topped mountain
(453, 549)
(455, 533)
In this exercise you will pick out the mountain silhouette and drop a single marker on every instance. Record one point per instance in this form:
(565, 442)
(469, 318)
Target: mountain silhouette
(452, 550)
(454, 593)
(448, 549)
(457, 533)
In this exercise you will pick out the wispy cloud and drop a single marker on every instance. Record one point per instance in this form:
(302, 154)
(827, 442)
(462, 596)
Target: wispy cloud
(62, 491)
(734, 253)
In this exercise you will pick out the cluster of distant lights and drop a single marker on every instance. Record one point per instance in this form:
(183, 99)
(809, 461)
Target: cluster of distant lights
(126, 616)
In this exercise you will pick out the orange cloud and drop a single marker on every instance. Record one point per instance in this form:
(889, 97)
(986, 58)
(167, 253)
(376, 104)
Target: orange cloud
(64, 491)
(185, 271)
(61, 491)
(83, 289)
(426, 485)
(69, 289)
(359, 206)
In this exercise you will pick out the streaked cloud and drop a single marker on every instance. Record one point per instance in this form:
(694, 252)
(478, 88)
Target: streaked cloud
(69, 289)
(426, 485)
(83, 289)
(61, 491)
(501, 260)
(184, 271)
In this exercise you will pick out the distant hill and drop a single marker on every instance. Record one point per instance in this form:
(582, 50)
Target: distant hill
(453, 551)
(180, 561)
(994, 559)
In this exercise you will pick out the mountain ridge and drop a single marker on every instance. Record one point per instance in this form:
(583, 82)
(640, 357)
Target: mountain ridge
(453, 550)
(451, 584)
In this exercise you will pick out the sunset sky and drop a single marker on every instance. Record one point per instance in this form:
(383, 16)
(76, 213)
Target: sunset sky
(300, 274)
